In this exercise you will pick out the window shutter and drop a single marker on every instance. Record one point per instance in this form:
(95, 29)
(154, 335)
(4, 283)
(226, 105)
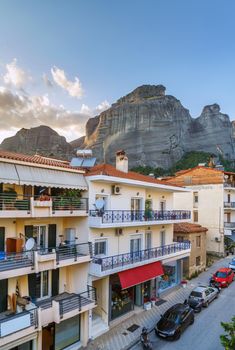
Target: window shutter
(34, 286)
(52, 236)
(28, 230)
(2, 239)
(3, 295)
(55, 282)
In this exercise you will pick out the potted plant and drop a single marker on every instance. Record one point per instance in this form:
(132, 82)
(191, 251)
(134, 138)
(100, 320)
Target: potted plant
(9, 196)
(184, 283)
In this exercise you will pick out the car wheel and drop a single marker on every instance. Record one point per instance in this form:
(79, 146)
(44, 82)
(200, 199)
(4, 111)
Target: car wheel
(207, 304)
(217, 295)
(199, 309)
(192, 321)
(177, 334)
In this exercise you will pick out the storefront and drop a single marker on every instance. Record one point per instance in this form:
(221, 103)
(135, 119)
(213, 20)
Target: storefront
(126, 292)
(171, 276)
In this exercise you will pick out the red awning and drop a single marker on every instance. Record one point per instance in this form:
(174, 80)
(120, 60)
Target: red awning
(140, 274)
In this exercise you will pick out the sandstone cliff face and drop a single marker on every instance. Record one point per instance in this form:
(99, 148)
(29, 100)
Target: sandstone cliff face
(42, 140)
(155, 129)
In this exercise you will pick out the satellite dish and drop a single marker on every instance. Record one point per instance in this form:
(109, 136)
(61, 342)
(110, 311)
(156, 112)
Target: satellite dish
(226, 176)
(99, 203)
(30, 244)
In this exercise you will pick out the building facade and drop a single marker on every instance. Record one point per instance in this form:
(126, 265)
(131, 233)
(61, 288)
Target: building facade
(45, 298)
(131, 229)
(196, 235)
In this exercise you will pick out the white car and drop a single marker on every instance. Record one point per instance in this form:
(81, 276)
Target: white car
(232, 264)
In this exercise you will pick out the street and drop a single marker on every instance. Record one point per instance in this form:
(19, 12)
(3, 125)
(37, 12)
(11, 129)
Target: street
(204, 333)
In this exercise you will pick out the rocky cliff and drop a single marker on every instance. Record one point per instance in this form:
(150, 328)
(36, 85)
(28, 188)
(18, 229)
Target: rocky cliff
(156, 130)
(42, 140)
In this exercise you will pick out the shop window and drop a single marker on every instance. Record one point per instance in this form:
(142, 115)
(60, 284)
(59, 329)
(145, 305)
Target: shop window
(122, 300)
(100, 247)
(67, 333)
(195, 216)
(198, 261)
(198, 241)
(169, 279)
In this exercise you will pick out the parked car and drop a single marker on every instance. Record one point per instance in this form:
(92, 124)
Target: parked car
(231, 264)
(223, 277)
(202, 296)
(174, 321)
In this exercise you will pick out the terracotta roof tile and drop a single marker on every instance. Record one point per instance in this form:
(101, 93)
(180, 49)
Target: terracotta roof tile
(36, 159)
(109, 170)
(186, 227)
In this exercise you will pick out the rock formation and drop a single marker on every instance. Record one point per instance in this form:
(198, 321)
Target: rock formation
(42, 140)
(156, 130)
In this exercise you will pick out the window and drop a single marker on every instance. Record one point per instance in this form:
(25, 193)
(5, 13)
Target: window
(100, 247)
(163, 238)
(195, 199)
(136, 204)
(135, 244)
(229, 197)
(43, 285)
(148, 240)
(195, 216)
(198, 241)
(198, 261)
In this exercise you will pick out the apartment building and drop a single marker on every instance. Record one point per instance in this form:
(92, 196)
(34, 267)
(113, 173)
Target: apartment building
(212, 201)
(131, 221)
(45, 298)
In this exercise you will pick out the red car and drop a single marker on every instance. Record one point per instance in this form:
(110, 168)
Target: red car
(223, 277)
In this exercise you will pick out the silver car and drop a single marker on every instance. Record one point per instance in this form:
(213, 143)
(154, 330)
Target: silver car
(202, 296)
(232, 264)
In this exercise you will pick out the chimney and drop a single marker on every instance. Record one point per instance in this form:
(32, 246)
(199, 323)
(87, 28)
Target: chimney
(121, 161)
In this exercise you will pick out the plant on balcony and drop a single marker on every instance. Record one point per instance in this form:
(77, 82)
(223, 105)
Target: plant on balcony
(72, 198)
(9, 198)
(148, 209)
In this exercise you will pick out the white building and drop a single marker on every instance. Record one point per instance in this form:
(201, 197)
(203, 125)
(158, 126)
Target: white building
(131, 228)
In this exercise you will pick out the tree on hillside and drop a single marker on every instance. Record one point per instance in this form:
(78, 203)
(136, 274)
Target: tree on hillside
(228, 339)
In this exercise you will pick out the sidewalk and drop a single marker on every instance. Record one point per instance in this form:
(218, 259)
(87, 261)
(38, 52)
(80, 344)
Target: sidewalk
(119, 338)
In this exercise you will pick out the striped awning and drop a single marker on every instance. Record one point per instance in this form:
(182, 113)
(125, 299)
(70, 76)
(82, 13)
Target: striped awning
(36, 176)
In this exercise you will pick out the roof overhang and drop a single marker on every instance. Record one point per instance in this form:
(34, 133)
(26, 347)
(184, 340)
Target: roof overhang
(136, 183)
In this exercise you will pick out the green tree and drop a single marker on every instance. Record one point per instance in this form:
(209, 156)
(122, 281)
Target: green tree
(228, 339)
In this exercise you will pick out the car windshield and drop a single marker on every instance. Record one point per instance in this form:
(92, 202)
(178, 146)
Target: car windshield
(220, 274)
(171, 316)
(196, 294)
(232, 262)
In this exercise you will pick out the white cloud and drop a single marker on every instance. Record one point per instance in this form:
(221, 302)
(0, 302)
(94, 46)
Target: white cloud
(47, 81)
(103, 106)
(15, 75)
(74, 89)
(86, 110)
(22, 111)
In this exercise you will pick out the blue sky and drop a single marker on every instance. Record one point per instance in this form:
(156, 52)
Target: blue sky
(112, 47)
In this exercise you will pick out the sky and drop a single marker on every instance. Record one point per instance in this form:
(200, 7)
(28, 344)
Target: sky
(62, 61)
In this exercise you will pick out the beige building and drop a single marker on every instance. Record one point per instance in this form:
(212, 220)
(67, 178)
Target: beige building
(196, 235)
(131, 228)
(211, 200)
(45, 298)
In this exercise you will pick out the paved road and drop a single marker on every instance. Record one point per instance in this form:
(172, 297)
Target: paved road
(204, 333)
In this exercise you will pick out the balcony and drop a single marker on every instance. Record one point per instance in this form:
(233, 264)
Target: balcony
(229, 185)
(16, 325)
(73, 254)
(125, 218)
(229, 205)
(108, 265)
(66, 305)
(230, 225)
(16, 264)
(15, 205)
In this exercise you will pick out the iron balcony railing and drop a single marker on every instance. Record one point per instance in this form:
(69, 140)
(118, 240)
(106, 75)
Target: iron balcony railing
(31, 320)
(115, 261)
(229, 225)
(73, 251)
(77, 301)
(116, 216)
(229, 184)
(11, 261)
(13, 201)
(229, 204)
(69, 203)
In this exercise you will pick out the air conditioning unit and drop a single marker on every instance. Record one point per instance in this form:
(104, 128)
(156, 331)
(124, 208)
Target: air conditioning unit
(217, 239)
(116, 189)
(118, 232)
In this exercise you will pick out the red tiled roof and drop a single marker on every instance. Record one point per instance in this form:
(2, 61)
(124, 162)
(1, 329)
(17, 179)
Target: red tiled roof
(36, 159)
(181, 172)
(186, 227)
(109, 170)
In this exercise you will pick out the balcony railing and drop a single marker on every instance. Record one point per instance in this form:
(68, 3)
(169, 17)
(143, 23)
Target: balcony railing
(11, 261)
(11, 323)
(116, 216)
(73, 251)
(229, 225)
(12, 201)
(77, 301)
(229, 204)
(229, 184)
(69, 203)
(112, 262)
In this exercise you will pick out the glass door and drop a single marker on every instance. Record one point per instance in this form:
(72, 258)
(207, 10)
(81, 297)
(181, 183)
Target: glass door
(41, 236)
(135, 209)
(163, 238)
(43, 284)
(135, 248)
(148, 240)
